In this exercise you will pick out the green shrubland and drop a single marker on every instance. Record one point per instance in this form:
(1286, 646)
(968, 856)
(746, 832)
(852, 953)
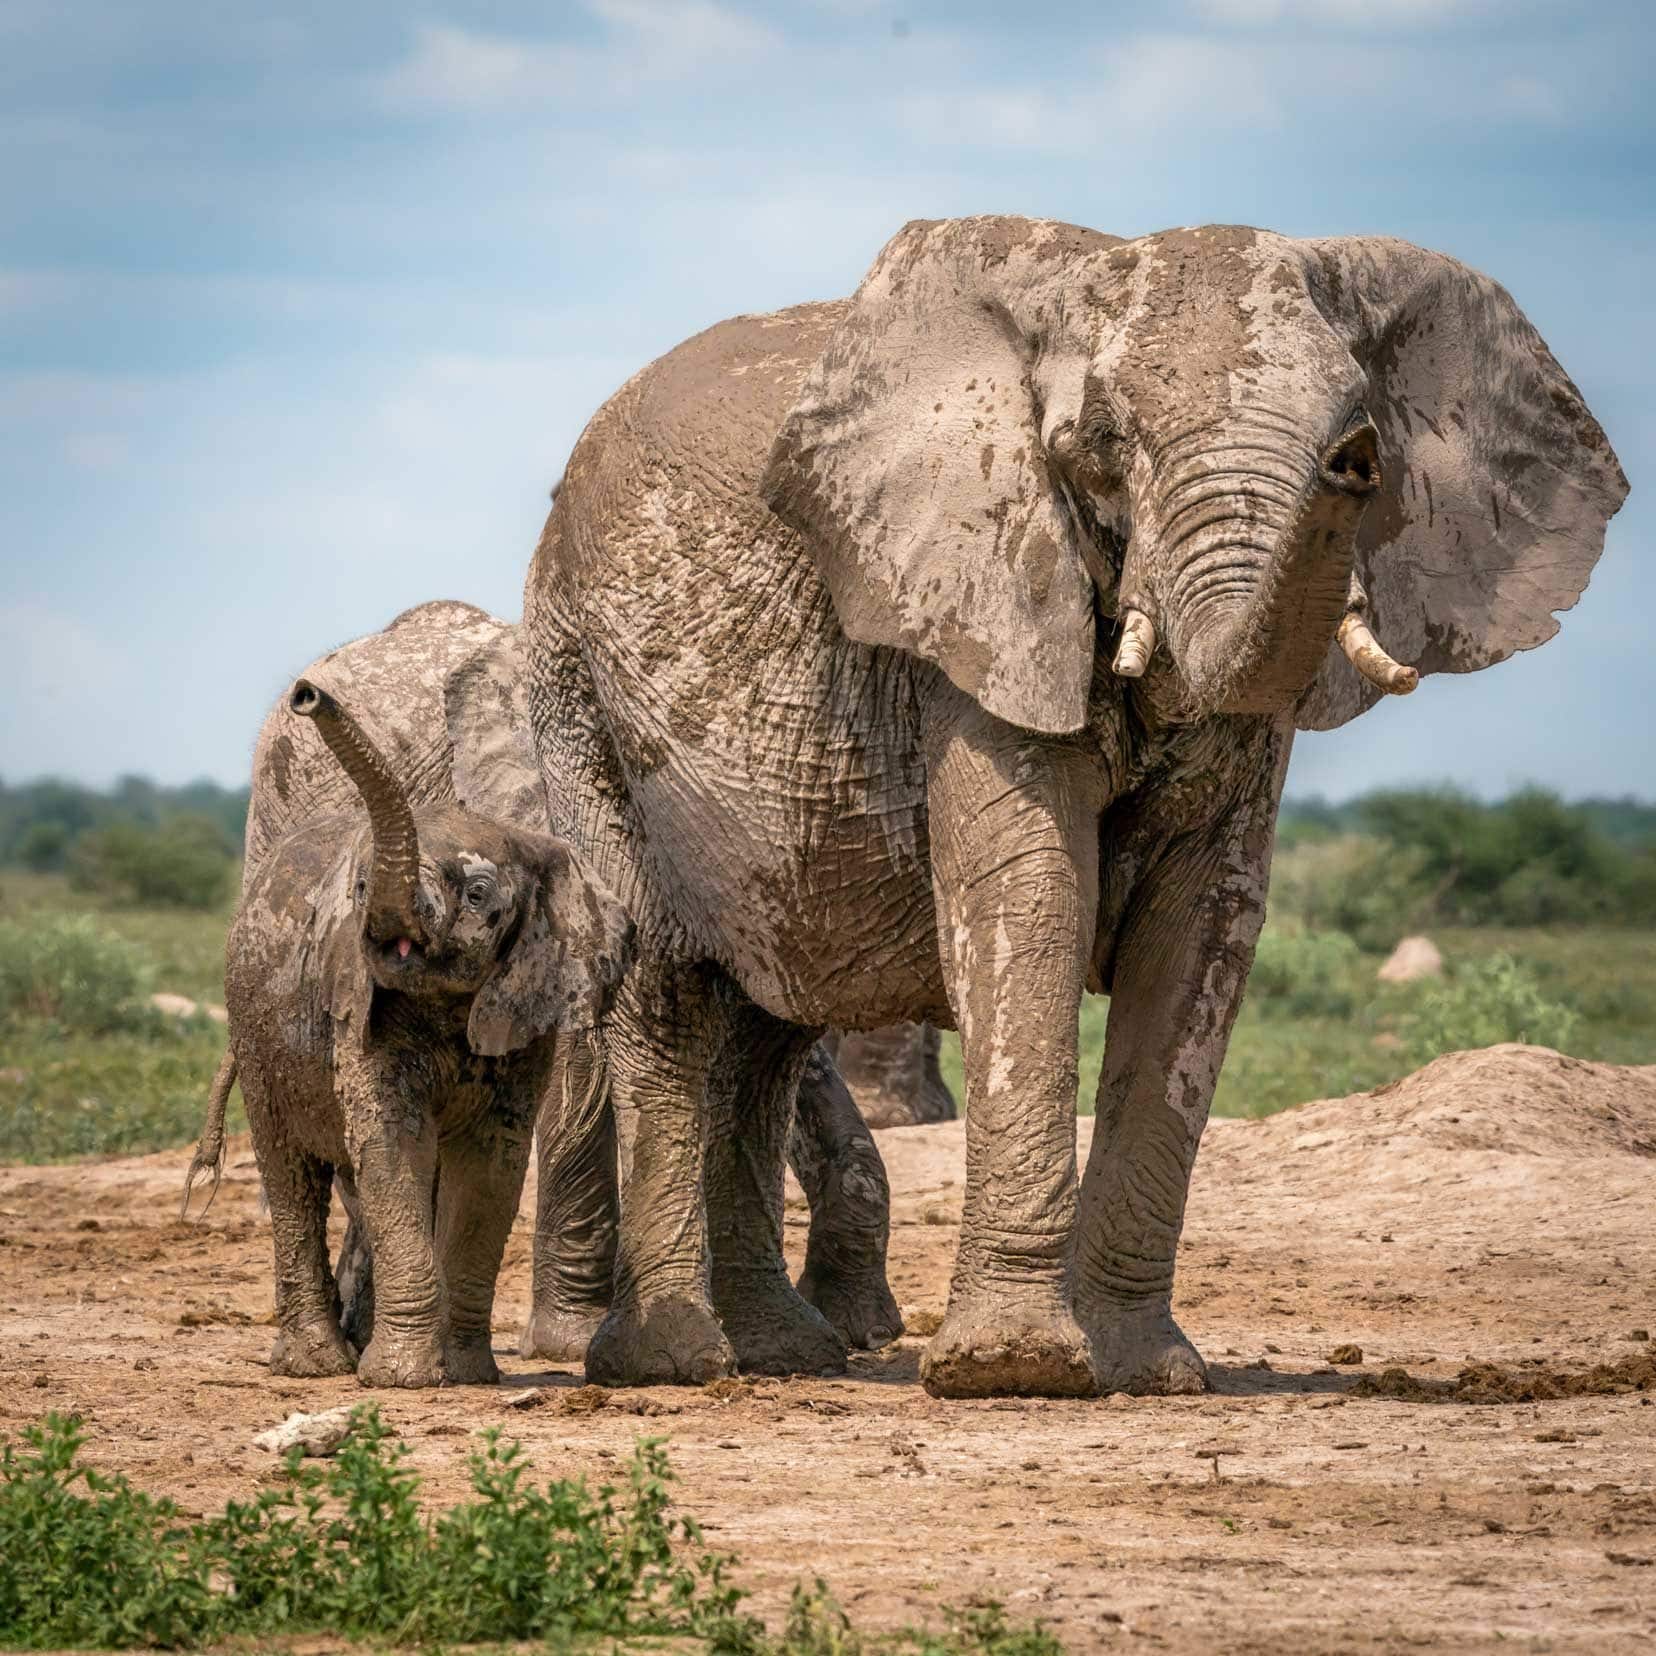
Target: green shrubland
(346, 1549)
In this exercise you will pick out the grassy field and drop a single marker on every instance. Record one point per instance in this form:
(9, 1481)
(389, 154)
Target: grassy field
(65, 1094)
(1607, 977)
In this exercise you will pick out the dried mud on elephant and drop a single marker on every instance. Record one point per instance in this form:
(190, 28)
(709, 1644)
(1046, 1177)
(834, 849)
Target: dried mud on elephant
(1494, 1209)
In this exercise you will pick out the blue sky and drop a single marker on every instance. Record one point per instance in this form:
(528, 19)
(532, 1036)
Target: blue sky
(302, 305)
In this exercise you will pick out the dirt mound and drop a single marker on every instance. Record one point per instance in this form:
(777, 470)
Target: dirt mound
(1516, 1099)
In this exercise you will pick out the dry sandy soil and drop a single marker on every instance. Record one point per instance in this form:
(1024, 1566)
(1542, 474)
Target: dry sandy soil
(1497, 1208)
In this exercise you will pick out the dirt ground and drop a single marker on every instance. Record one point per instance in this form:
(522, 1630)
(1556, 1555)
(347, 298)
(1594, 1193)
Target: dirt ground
(1499, 1207)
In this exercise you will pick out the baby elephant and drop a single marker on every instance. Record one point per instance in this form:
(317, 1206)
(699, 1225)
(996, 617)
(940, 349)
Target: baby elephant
(393, 990)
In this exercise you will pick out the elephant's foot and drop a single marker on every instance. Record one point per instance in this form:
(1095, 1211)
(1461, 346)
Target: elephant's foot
(1145, 1353)
(316, 1350)
(997, 1350)
(470, 1362)
(407, 1361)
(774, 1331)
(668, 1342)
(559, 1336)
(857, 1302)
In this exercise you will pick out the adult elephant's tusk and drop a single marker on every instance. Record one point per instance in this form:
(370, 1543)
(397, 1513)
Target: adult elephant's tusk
(1138, 644)
(1371, 661)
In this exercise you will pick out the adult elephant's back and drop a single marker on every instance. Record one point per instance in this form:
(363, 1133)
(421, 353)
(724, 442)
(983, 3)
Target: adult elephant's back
(398, 679)
(746, 777)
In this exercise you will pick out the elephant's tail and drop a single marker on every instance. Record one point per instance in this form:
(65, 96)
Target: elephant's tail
(209, 1156)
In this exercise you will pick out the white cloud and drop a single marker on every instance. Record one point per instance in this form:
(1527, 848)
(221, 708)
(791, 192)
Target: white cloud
(1362, 14)
(645, 41)
(1140, 86)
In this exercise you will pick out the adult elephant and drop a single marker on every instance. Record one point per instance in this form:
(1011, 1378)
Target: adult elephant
(937, 654)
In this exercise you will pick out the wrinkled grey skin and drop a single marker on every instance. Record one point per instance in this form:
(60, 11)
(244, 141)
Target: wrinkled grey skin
(393, 990)
(821, 629)
(441, 690)
(893, 1074)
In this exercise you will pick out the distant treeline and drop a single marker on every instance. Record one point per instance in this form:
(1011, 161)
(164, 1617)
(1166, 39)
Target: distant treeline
(135, 842)
(1418, 856)
(1424, 854)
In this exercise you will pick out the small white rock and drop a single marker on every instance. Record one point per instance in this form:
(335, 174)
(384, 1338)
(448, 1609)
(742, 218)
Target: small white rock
(315, 1434)
(1414, 957)
(523, 1399)
(174, 1006)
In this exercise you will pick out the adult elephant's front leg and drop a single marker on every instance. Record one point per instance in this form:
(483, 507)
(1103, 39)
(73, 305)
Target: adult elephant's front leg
(1181, 964)
(1014, 825)
(661, 1328)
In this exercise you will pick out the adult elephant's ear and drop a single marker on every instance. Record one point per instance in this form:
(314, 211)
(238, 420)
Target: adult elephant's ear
(572, 946)
(486, 705)
(1496, 481)
(913, 466)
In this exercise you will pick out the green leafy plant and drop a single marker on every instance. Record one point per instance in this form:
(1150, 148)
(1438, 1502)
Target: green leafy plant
(1305, 974)
(1372, 891)
(183, 863)
(87, 1560)
(1483, 1003)
(67, 969)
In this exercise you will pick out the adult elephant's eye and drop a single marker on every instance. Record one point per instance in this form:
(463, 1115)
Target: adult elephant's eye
(478, 893)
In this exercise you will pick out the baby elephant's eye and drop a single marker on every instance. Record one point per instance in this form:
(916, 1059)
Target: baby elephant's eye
(478, 892)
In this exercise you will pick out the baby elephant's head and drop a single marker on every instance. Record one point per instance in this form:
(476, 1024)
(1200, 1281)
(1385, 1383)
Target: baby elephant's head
(451, 904)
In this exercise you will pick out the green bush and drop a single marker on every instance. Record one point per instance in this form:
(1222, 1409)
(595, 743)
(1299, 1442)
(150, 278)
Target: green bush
(88, 1561)
(1305, 974)
(71, 972)
(1482, 1004)
(1373, 892)
(183, 864)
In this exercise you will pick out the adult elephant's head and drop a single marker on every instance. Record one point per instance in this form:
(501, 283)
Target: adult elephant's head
(1236, 448)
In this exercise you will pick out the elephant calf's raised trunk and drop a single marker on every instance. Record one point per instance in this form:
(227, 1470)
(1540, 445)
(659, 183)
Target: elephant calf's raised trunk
(394, 881)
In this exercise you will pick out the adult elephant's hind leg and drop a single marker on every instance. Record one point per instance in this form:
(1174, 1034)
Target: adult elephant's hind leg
(838, 1166)
(661, 1329)
(1014, 834)
(751, 1095)
(1181, 963)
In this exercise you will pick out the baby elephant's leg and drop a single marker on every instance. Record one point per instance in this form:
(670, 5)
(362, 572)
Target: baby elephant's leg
(309, 1341)
(393, 1144)
(479, 1185)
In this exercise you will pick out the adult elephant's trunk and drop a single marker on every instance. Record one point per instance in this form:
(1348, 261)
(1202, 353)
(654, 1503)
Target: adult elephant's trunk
(1261, 546)
(394, 879)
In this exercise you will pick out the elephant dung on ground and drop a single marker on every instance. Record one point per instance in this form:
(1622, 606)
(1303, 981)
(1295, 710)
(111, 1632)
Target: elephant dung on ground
(937, 654)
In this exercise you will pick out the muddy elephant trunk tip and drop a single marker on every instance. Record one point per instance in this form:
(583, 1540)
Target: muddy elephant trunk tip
(395, 878)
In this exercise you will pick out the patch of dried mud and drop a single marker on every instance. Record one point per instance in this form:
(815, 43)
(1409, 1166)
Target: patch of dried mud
(1481, 1231)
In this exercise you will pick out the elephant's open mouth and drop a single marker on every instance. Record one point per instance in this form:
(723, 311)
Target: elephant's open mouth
(402, 952)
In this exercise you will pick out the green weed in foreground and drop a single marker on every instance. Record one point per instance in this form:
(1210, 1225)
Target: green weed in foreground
(88, 1561)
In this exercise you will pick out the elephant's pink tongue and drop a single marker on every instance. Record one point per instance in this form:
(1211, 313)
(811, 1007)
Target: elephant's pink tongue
(403, 947)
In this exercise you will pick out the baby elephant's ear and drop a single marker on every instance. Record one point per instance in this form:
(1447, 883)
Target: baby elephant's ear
(572, 946)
